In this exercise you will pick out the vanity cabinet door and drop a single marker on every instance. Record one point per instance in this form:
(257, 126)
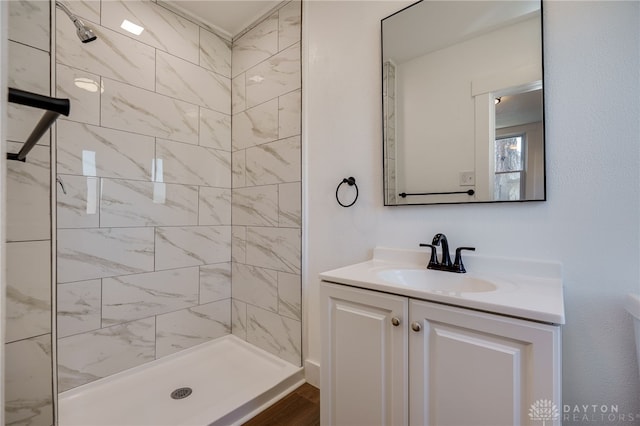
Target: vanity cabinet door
(471, 368)
(364, 357)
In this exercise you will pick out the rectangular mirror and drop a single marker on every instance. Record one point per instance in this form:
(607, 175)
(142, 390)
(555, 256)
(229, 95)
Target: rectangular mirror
(463, 104)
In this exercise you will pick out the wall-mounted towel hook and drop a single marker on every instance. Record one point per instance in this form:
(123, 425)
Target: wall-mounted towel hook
(351, 181)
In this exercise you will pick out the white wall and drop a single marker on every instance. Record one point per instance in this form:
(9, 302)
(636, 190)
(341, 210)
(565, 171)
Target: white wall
(436, 109)
(589, 223)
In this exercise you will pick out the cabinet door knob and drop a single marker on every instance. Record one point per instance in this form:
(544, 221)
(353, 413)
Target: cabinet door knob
(395, 321)
(415, 326)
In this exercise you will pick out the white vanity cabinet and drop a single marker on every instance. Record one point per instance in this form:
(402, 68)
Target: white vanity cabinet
(364, 378)
(394, 360)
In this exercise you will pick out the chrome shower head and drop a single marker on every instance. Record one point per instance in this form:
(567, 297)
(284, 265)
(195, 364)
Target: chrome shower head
(85, 34)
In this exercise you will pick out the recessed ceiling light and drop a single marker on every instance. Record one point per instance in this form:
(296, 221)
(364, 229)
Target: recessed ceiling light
(131, 27)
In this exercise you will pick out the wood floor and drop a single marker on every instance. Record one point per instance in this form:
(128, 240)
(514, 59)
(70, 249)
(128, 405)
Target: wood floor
(300, 408)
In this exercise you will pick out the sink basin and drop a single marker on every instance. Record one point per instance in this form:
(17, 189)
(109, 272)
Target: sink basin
(436, 281)
(521, 288)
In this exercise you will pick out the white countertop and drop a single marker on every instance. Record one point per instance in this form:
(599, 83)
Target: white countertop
(525, 288)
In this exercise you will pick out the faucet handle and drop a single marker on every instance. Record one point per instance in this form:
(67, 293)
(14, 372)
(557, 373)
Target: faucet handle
(458, 266)
(433, 261)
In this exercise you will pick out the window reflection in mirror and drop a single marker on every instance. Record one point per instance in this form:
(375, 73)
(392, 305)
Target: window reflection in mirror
(444, 64)
(519, 147)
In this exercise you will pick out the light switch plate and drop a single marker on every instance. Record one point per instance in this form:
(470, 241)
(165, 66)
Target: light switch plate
(467, 179)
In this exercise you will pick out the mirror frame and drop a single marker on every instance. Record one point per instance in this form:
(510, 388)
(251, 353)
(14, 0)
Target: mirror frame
(386, 202)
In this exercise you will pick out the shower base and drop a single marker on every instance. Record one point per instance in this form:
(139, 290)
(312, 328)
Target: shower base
(230, 381)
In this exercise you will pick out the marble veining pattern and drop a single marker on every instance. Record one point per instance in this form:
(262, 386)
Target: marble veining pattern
(214, 206)
(274, 162)
(215, 53)
(78, 206)
(87, 94)
(289, 114)
(27, 382)
(255, 206)
(192, 246)
(239, 169)
(96, 253)
(129, 108)
(239, 318)
(20, 123)
(27, 337)
(163, 29)
(274, 248)
(189, 327)
(290, 295)
(239, 243)
(28, 205)
(79, 307)
(146, 250)
(255, 126)
(26, 68)
(85, 357)
(87, 9)
(215, 129)
(290, 204)
(130, 297)
(238, 94)
(275, 76)
(289, 24)
(111, 55)
(274, 333)
(134, 203)
(28, 292)
(29, 23)
(266, 181)
(256, 45)
(215, 282)
(97, 151)
(256, 286)
(180, 79)
(195, 165)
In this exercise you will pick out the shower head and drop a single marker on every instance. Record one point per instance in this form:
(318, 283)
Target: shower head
(85, 34)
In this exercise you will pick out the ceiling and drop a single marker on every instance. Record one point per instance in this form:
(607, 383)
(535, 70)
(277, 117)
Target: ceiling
(227, 16)
(519, 109)
(427, 26)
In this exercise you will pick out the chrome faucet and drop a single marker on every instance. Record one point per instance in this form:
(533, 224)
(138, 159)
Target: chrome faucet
(445, 262)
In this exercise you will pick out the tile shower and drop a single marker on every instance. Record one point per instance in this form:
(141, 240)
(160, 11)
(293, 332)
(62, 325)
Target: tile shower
(28, 338)
(174, 226)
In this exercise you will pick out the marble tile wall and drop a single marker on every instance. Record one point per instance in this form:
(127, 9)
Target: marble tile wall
(266, 182)
(147, 161)
(389, 123)
(144, 220)
(28, 347)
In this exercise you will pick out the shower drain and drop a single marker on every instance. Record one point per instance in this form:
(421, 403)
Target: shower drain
(181, 393)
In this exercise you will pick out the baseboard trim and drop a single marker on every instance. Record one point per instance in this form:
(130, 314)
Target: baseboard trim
(312, 372)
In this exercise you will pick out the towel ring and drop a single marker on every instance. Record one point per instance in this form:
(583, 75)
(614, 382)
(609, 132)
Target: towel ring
(351, 181)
